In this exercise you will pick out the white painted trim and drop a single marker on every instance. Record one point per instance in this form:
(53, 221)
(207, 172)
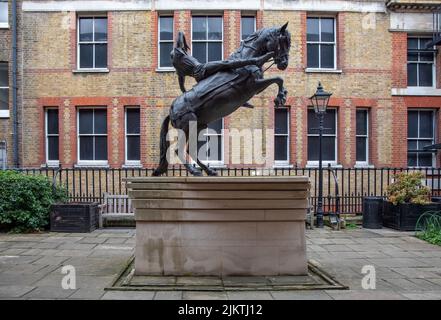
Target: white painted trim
(147, 5)
(51, 162)
(316, 70)
(4, 25)
(367, 136)
(207, 40)
(416, 91)
(4, 113)
(288, 140)
(126, 135)
(91, 162)
(158, 48)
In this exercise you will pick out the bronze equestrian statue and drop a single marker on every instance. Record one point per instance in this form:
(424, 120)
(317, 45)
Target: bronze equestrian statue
(222, 86)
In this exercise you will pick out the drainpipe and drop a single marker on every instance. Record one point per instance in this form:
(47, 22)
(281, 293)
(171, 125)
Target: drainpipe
(14, 85)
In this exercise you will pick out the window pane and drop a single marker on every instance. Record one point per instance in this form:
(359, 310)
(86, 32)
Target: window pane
(412, 56)
(101, 56)
(412, 124)
(424, 42)
(52, 152)
(52, 121)
(199, 28)
(100, 29)
(4, 12)
(133, 122)
(4, 81)
(313, 56)
(426, 124)
(412, 145)
(361, 127)
(100, 121)
(424, 143)
(165, 49)
(412, 159)
(281, 121)
(166, 25)
(215, 28)
(313, 148)
(412, 43)
(133, 149)
(281, 148)
(412, 74)
(214, 51)
(425, 74)
(327, 30)
(329, 122)
(248, 27)
(426, 56)
(424, 159)
(86, 29)
(216, 126)
(328, 148)
(100, 148)
(313, 122)
(327, 56)
(86, 148)
(4, 99)
(86, 121)
(312, 28)
(361, 149)
(200, 51)
(86, 56)
(214, 148)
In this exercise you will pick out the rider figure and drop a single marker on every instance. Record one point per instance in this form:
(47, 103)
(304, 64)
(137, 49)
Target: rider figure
(187, 65)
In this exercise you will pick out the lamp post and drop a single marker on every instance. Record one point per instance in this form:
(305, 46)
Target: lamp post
(320, 101)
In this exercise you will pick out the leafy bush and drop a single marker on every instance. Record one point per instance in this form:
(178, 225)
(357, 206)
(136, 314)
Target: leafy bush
(408, 188)
(429, 227)
(25, 201)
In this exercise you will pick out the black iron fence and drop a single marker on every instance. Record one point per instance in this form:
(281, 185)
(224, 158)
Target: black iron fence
(344, 188)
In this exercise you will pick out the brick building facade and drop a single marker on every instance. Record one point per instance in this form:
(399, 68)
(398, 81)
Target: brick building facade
(96, 81)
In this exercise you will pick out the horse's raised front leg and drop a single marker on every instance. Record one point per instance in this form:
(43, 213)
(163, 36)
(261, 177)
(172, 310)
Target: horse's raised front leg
(262, 84)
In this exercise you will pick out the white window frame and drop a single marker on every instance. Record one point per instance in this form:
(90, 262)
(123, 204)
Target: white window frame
(418, 130)
(422, 62)
(216, 163)
(51, 163)
(5, 113)
(4, 158)
(91, 162)
(5, 25)
(366, 136)
(247, 16)
(93, 42)
(322, 42)
(164, 41)
(288, 118)
(208, 41)
(315, 163)
(126, 161)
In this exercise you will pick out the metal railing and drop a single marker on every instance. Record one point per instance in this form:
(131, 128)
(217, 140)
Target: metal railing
(343, 188)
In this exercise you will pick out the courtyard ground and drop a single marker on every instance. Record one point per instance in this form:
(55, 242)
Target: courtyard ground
(31, 266)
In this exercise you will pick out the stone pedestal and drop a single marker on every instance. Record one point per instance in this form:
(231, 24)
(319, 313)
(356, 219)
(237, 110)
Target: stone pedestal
(220, 225)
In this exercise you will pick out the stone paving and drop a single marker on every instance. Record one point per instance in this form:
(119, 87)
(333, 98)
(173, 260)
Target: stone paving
(31, 266)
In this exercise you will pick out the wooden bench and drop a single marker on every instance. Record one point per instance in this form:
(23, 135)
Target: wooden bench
(115, 206)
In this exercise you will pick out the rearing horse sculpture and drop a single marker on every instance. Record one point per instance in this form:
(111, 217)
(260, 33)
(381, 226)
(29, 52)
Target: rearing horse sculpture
(223, 92)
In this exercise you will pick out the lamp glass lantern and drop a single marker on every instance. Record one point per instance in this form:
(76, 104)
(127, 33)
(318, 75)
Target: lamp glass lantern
(320, 100)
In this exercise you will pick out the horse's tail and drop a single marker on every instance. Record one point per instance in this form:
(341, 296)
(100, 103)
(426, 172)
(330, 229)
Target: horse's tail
(163, 145)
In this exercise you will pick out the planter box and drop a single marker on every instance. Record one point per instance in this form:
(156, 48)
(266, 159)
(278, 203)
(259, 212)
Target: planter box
(74, 217)
(405, 216)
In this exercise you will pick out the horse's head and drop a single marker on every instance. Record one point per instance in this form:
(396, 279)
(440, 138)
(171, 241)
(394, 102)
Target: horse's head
(279, 41)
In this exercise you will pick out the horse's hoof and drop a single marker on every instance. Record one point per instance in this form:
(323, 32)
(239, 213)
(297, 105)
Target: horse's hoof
(212, 173)
(196, 173)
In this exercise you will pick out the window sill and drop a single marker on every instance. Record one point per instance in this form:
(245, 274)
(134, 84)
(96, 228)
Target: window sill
(4, 25)
(416, 91)
(282, 166)
(91, 71)
(313, 70)
(91, 165)
(165, 70)
(364, 165)
(52, 164)
(325, 165)
(4, 114)
(132, 165)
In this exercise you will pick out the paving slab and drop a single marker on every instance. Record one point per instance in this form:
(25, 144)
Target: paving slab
(168, 295)
(128, 295)
(48, 292)
(300, 295)
(204, 295)
(249, 295)
(14, 291)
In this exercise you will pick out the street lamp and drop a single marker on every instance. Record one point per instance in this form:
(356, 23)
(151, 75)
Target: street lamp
(320, 101)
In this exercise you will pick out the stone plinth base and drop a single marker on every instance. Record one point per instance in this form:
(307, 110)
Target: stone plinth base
(220, 226)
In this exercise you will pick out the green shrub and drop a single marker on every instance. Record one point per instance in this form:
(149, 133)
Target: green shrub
(429, 227)
(408, 188)
(25, 201)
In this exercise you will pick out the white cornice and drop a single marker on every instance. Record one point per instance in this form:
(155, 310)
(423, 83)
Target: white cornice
(141, 5)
